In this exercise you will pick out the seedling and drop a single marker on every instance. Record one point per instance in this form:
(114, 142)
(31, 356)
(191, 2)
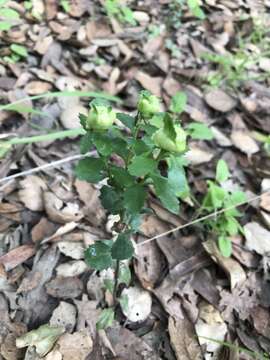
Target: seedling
(18, 52)
(65, 5)
(176, 11)
(144, 152)
(226, 225)
(115, 9)
(8, 17)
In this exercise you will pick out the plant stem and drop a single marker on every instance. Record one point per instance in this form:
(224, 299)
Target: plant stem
(116, 276)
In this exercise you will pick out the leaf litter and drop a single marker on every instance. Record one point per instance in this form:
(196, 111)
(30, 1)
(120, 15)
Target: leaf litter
(193, 299)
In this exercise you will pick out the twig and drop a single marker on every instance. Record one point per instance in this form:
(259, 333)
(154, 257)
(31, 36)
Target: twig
(46, 166)
(206, 217)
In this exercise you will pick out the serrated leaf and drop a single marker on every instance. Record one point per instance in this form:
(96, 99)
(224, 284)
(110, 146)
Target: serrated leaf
(98, 256)
(165, 193)
(225, 246)
(103, 143)
(140, 147)
(91, 170)
(127, 120)
(141, 166)
(105, 319)
(122, 248)
(111, 200)
(124, 276)
(86, 143)
(121, 177)
(199, 131)
(222, 171)
(134, 198)
(178, 103)
(19, 50)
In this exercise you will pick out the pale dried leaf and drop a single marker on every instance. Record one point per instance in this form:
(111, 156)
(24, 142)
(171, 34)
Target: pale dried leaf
(75, 250)
(31, 193)
(220, 101)
(257, 238)
(139, 304)
(71, 268)
(64, 316)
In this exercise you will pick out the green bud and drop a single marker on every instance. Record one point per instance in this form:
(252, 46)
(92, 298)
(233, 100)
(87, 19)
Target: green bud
(163, 141)
(100, 117)
(148, 104)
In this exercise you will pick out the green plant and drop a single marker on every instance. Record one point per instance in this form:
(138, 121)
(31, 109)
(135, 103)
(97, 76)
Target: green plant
(216, 198)
(18, 52)
(8, 16)
(114, 8)
(65, 5)
(176, 11)
(265, 139)
(150, 150)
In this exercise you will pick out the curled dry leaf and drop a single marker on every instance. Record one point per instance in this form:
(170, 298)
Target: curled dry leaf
(59, 211)
(139, 303)
(183, 339)
(64, 316)
(152, 84)
(232, 268)
(31, 193)
(210, 325)
(257, 238)
(17, 256)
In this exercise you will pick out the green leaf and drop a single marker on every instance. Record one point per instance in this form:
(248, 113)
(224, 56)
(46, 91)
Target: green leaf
(90, 169)
(19, 50)
(165, 193)
(111, 200)
(178, 103)
(86, 143)
(109, 285)
(124, 276)
(105, 319)
(199, 131)
(215, 197)
(8, 13)
(169, 128)
(123, 300)
(122, 248)
(222, 171)
(234, 199)
(225, 246)
(121, 177)
(134, 198)
(103, 143)
(5, 26)
(127, 120)
(141, 166)
(3, 2)
(232, 226)
(177, 177)
(140, 147)
(98, 256)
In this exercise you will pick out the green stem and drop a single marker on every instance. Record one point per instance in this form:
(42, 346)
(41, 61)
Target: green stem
(47, 137)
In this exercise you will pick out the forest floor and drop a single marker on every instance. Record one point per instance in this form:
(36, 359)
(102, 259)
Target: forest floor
(203, 305)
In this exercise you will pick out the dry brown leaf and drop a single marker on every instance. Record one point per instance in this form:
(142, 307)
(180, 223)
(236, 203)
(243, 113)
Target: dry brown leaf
(75, 346)
(37, 87)
(210, 325)
(232, 268)
(150, 83)
(257, 238)
(64, 288)
(197, 155)
(72, 268)
(58, 211)
(220, 101)
(64, 316)
(17, 256)
(183, 339)
(75, 250)
(244, 142)
(31, 193)
(42, 229)
(70, 116)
